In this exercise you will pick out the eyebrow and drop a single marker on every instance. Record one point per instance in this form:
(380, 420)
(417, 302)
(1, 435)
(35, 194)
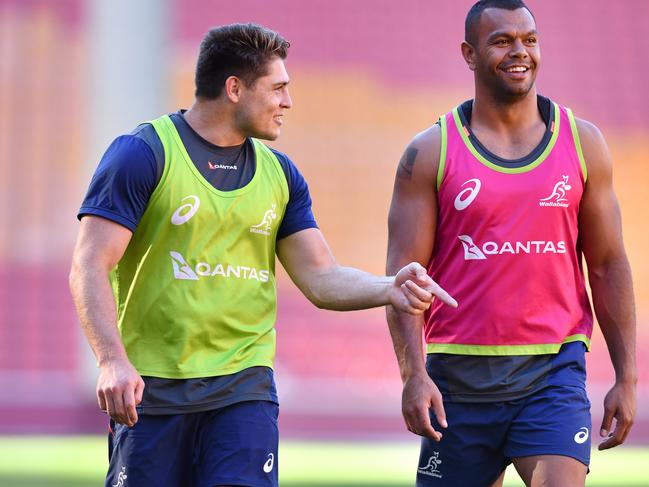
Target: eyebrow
(504, 33)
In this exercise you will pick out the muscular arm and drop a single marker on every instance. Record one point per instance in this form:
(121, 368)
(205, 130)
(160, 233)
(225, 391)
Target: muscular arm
(100, 245)
(600, 232)
(412, 222)
(311, 265)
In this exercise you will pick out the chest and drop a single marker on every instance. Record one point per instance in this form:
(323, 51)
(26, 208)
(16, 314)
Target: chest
(513, 147)
(475, 194)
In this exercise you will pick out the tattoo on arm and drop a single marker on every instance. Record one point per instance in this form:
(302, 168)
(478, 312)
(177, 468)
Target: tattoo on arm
(407, 163)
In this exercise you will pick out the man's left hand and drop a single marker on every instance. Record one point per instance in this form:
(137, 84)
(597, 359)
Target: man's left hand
(619, 403)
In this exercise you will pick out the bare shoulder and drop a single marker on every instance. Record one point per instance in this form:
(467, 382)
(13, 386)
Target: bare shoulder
(594, 148)
(589, 133)
(420, 159)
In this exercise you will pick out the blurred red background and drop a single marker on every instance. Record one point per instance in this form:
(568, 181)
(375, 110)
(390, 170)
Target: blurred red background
(366, 76)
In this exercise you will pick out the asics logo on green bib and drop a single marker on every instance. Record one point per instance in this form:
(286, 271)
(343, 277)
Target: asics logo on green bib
(186, 211)
(184, 271)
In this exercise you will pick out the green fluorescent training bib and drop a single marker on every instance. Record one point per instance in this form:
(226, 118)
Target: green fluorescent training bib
(195, 289)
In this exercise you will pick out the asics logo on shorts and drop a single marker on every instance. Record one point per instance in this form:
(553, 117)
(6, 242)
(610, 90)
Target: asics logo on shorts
(270, 463)
(186, 211)
(467, 195)
(581, 436)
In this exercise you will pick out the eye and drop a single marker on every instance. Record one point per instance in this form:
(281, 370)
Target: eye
(531, 40)
(501, 42)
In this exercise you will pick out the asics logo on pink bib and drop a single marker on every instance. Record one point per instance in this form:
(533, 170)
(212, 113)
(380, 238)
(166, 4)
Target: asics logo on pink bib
(467, 195)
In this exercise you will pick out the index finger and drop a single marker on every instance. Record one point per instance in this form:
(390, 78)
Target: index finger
(119, 411)
(420, 293)
(616, 437)
(101, 400)
(129, 405)
(441, 294)
(419, 421)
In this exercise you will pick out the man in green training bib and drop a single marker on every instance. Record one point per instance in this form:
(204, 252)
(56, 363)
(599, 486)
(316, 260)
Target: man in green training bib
(173, 274)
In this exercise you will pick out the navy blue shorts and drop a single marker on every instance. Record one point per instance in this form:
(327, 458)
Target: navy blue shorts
(234, 446)
(483, 438)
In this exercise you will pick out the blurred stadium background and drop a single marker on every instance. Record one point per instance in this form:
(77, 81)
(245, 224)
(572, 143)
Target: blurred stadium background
(366, 76)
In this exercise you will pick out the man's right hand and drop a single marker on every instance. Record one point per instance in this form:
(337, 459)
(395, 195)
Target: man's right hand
(413, 290)
(119, 390)
(420, 394)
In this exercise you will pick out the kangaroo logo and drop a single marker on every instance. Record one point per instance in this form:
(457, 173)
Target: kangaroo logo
(471, 250)
(432, 467)
(181, 268)
(558, 196)
(121, 478)
(266, 222)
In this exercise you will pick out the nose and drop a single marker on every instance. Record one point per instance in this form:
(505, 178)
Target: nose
(518, 49)
(286, 101)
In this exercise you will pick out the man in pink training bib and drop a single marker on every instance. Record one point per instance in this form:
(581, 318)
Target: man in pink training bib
(499, 200)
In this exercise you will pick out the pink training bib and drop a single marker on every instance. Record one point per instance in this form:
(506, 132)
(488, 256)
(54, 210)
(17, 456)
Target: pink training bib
(507, 247)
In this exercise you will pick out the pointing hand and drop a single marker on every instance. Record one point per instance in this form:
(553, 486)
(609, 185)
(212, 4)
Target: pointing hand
(413, 290)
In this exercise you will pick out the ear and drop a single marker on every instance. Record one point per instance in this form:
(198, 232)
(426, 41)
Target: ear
(469, 55)
(232, 88)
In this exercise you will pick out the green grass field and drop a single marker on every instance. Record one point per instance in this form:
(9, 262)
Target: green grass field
(27, 461)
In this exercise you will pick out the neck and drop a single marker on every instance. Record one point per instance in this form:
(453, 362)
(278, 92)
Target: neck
(505, 114)
(213, 120)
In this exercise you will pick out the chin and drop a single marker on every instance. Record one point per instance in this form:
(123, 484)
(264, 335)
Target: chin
(516, 92)
(520, 91)
(265, 135)
(269, 136)
(272, 134)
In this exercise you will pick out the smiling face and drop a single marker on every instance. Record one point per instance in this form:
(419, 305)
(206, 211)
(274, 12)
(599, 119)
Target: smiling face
(261, 105)
(507, 55)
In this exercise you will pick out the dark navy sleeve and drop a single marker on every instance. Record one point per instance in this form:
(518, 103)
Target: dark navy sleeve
(298, 215)
(123, 182)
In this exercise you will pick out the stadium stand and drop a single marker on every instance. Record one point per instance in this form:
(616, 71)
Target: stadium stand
(365, 76)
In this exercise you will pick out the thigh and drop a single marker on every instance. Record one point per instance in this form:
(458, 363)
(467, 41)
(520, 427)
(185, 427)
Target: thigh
(554, 426)
(156, 451)
(238, 446)
(471, 449)
(551, 471)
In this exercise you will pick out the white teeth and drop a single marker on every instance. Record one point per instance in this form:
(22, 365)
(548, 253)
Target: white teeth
(517, 69)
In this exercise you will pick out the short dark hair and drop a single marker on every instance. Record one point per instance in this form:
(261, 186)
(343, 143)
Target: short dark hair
(475, 12)
(241, 50)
